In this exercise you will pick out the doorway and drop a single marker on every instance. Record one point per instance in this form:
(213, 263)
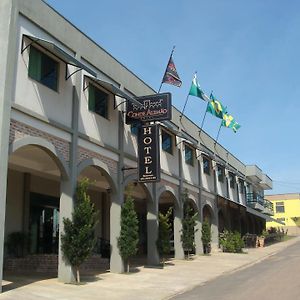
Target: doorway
(43, 224)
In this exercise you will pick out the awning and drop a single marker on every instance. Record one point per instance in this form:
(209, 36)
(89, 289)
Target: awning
(230, 202)
(261, 215)
(58, 52)
(188, 138)
(114, 90)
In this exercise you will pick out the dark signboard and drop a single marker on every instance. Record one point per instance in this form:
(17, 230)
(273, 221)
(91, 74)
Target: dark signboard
(153, 108)
(148, 153)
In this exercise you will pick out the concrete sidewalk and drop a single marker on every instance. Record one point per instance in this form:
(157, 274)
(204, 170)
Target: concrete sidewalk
(147, 283)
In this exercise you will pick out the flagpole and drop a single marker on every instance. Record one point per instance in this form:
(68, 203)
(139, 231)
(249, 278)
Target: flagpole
(215, 143)
(186, 100)
(162, 81)
(219, 131)
(204, 118)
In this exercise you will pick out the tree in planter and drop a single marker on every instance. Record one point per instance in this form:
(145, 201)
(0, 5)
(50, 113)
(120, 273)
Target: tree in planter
(129, 235)
(164, 234)
(188, 226)
(206, 236)
(78, 240)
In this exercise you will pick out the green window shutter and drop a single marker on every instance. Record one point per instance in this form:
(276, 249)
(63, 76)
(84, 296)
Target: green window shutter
(35, 64)
(92, 99)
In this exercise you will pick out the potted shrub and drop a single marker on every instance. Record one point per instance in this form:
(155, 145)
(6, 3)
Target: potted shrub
(261, 238)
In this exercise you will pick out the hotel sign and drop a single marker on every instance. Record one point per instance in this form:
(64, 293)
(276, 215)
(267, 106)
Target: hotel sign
(148, 153)
(153, 108)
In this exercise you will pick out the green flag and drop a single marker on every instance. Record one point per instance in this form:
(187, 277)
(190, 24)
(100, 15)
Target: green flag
(215, 107)
(196, 90)
(229, 122)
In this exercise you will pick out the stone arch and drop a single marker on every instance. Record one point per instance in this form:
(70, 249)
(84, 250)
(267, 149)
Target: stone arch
(192, 199)
(207, 208)
(170, 190)
(94, 162)
(47, 147)
(146, 187)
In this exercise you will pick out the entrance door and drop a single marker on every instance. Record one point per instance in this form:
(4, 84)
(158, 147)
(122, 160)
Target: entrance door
(44, 224)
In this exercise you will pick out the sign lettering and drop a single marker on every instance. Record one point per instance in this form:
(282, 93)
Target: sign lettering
(148, 154)
(153, 108)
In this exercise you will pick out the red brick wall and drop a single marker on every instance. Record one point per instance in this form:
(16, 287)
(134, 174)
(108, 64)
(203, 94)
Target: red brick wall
(19, 130)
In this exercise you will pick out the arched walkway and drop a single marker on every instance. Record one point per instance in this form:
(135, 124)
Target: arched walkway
(33, 207)
(209, 216)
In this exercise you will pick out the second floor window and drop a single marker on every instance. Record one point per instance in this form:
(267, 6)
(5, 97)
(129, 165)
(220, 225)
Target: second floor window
(231, 180)
(280, 207)
(134, 128)
(206, 165)
(98, 101)
(167, 142)
(43, 68)
(220, 174)
(189, 155)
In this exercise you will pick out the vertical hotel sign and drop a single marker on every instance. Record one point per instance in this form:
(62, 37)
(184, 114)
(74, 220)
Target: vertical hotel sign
(149, 158)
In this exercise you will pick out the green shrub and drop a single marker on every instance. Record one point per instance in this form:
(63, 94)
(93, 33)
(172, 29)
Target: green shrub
(206, 237)
(232, 242)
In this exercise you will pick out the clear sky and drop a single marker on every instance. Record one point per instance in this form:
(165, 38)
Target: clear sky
(247, 52)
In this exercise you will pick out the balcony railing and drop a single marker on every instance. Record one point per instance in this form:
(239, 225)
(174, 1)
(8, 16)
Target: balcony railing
(253, 198)
(269, 208)
(258, 202)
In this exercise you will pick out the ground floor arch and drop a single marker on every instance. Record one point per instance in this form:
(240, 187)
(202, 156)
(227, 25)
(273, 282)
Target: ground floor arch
(33, 202)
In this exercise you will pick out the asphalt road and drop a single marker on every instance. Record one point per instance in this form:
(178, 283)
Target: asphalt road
(276, 278)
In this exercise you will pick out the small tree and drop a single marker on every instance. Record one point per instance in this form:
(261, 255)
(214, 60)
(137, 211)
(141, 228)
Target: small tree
(164, 234)
(78, 240)
(188, 226)
(232, 242)
(206, 236)
(129, 235)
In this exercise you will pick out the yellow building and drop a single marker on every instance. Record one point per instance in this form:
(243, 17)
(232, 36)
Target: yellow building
(286, 210)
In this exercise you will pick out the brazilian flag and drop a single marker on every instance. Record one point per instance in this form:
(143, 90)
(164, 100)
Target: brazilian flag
(229, 122)
(215, 107)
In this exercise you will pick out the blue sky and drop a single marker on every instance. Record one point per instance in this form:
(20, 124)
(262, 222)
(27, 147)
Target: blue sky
(247, 52)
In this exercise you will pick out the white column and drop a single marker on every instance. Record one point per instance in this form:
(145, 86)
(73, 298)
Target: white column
(178, 214)
(152, 231)
(116, 262)
(198, 235)
(65, 271)
(8, 58)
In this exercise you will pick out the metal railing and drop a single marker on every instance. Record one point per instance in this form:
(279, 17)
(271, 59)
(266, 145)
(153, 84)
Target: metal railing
(255, 198)
(269, 205)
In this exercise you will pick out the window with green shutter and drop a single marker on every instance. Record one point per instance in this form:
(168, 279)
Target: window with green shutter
(220, 173)
(98, 101)
(189, 155)
(167, 142)
(206, 165)
(43, 68)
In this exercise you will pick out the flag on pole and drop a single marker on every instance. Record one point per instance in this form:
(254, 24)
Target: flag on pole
(215, 107)
(171, 76)
(229, 122)
(196, 90)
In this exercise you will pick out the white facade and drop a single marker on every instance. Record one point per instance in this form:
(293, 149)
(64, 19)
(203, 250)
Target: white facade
(53, 139)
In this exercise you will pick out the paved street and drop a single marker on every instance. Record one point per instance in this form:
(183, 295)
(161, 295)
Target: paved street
(277, 277)
(178, 276)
